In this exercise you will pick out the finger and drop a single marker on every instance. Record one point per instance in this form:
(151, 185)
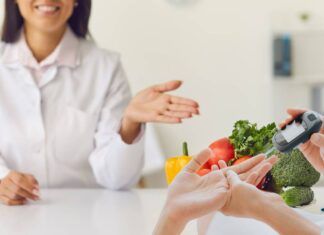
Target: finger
(177, 114)
(32, 179)
(198, 161)
(272, 160)
(21, 192)
(214, 168)
(232, 178)
(168, 86)
(222, 164)
(247, 165)
(184, 101)
(182, 108)
(285, 122)
(318, 140)
(7, 193)
(262, 172)
(295, 112)
(24, 182)
(251, 179)
(167, 119)
(261, 169)
(10, 202)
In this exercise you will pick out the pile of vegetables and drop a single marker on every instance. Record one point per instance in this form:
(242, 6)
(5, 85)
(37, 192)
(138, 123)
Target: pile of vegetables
(292, 177)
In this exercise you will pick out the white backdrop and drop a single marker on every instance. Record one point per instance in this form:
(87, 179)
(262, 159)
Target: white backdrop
(220, 49)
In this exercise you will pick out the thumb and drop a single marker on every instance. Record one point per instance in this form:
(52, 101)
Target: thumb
(232, 178)
(294, 112)
(318, 140)
(168, 86)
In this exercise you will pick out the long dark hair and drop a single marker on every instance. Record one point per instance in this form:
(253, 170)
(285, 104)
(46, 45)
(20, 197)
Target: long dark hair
(13, 20)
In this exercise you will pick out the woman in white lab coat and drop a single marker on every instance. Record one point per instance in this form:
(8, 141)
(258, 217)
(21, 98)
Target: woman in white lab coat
(67, 118)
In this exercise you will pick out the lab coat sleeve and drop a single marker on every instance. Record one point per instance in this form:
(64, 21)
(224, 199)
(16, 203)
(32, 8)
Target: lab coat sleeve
(115, 164)
(4, 170)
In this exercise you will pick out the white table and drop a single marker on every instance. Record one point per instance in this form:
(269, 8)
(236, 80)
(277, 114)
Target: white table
(95, 212)
(86, 212)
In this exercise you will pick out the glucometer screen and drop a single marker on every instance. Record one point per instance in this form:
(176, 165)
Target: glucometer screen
(292, 131)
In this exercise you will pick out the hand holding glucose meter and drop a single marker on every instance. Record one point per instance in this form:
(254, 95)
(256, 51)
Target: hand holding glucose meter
(298, 131)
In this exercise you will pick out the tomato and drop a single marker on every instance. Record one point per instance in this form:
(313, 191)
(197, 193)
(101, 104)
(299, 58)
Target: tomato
(222, 149)
(206, 166)
(203, 172)
(241, 159)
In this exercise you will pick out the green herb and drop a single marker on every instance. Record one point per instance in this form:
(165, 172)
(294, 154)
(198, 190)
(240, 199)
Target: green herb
(248, 140)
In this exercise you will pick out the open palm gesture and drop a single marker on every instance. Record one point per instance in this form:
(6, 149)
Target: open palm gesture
(191, 196)
(154, 105)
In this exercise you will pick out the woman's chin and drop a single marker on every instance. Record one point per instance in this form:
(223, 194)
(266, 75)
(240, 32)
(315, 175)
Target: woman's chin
(49, 26)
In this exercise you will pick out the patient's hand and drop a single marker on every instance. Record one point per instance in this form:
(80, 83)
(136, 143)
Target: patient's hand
(17, 187)
(191, 196)
(247, 201)
(253, 170)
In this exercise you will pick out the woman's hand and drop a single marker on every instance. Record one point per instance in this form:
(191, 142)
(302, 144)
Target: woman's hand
(247, 201)
(313, 149)
(16, 188)
(253, 170)
(191, 196)
(154, 105)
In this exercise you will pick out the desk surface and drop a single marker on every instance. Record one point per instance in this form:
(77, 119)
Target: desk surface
(86, 212)
(95, 212)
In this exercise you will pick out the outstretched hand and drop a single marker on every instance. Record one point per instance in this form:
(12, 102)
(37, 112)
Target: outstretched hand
(154, 105)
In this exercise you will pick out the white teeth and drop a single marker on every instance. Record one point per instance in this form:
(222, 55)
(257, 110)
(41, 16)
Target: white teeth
(47, 9)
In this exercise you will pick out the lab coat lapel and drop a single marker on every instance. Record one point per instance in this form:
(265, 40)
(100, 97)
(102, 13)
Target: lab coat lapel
(24, 74)
(48, 76)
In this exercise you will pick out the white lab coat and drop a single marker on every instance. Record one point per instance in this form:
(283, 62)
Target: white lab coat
(64, 130)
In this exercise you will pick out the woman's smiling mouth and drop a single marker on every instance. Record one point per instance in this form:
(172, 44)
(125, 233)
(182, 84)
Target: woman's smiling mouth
(47, 9)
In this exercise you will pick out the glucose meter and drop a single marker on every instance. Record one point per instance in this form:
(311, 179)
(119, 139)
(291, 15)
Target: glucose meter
(298, 131)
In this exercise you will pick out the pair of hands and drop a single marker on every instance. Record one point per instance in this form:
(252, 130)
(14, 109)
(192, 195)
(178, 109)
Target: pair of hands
(16, 188)
(228, 190)
(192, 196)
(313, 149)
(232, 191)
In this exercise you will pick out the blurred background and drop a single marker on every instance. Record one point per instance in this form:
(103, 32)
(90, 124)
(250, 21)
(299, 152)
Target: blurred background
(240, 59)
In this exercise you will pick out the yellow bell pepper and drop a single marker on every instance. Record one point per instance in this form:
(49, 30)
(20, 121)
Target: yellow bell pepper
(175, 164)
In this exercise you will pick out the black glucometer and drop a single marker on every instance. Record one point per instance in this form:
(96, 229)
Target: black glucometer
(298, 131)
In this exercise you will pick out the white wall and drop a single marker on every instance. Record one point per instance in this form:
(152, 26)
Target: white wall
(220, 49)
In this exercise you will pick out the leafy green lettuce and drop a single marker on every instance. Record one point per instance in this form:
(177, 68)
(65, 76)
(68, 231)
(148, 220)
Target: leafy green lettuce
(248, 140)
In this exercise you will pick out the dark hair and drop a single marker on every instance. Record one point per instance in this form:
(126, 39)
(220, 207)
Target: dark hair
(13, 20)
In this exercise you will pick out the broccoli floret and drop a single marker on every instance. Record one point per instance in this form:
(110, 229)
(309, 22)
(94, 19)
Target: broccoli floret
(298, 196)
(293, 169)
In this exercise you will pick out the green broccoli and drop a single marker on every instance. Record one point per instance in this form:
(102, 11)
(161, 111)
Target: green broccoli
(293, 169)
(298, 196)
